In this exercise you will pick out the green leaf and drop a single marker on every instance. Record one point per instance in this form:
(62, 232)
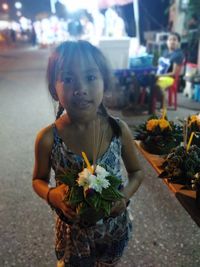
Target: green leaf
(111, 194)
(68, 178)
(105, 206)
(76, 195)
(82, 208)
(89, 214)
(93, 200)
(114, 181)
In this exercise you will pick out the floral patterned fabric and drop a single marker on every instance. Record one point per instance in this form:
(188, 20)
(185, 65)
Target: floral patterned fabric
(104, 242)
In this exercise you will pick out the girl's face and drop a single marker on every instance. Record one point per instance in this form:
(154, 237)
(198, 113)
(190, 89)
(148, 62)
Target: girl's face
(80, 87)
(172, 42)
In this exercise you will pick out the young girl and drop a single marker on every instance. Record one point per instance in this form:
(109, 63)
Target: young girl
(78, 75)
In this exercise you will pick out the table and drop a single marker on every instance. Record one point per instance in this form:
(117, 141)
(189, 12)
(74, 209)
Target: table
(144, 76)
(186, 197)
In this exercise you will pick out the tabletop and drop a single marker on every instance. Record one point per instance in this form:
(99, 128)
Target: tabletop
(186, 197)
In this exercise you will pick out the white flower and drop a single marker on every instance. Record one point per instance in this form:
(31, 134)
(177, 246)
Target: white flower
(100, 171)
(96, 182)
(84, 178)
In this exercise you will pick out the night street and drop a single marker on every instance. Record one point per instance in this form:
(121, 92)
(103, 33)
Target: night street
(164, 233)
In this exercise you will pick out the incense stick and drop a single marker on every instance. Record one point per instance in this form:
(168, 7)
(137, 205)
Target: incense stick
(184, 134)
(190, 141)
(94, 146)
(186, 131)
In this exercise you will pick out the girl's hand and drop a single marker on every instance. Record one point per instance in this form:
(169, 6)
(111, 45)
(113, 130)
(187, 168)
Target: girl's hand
(56, 197)
(118, 207)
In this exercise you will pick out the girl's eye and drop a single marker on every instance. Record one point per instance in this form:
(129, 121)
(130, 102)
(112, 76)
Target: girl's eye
(91, 78)
(68, 80)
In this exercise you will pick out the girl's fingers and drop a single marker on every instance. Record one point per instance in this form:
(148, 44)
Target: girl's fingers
(68, 212)
(118, 207)
(63, 188)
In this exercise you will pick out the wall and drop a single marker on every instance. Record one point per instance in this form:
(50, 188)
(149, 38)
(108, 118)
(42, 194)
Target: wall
(178, 17)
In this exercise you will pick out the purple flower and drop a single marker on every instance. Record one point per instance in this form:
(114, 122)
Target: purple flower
(90, 192)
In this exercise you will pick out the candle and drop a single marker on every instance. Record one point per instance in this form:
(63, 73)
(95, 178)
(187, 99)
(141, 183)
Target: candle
(89, 167)
(164, 113)
(184, 133)
(190, 141)
(186, 130)
(60, 263)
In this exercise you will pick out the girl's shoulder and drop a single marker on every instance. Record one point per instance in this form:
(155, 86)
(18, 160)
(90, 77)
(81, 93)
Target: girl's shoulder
(122, 124)
(126, 135)
(47, 134)
(45, 137)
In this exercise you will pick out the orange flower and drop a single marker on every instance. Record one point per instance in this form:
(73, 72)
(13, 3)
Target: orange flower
(164, 124)
(198, 121)
(151, 124)
(194, 119)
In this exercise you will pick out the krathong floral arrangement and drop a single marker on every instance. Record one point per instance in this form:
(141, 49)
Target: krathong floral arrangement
(181, 164)
(92, 190)
(159, 135)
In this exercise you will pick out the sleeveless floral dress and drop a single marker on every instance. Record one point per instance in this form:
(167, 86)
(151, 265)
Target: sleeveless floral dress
(104, 242)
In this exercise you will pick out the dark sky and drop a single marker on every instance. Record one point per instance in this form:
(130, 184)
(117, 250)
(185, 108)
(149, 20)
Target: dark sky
(32, 7)
(153, 16)
(153, 13)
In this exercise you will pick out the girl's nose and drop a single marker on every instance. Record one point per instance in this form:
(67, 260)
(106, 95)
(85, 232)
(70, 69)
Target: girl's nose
(80, 88)
(79, 93)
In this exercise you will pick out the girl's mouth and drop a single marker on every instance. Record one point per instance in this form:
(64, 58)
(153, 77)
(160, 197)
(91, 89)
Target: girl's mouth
(82, 103)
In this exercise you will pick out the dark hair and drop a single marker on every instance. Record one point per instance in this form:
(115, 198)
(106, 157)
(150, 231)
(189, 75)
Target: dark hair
(177, 35)
(66, 51)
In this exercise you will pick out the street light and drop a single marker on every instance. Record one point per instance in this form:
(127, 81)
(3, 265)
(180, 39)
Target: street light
(18, 13)
(5, 6)
(53, 6)
(18, 5)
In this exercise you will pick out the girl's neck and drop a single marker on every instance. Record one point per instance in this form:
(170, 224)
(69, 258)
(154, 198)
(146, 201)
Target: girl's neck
(82, 124)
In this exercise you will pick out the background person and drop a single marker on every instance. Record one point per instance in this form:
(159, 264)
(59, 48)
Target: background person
(169, 65)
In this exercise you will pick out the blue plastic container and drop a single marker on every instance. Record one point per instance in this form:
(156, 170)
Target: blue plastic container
(142, 61)
(197, 92)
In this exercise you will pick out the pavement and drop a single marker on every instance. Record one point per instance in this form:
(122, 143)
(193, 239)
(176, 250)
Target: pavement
(187, 103)
(164, 235)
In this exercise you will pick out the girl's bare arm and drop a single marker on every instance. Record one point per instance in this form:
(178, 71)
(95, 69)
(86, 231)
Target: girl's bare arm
(134, 170)
(135, 174)
(41, 173)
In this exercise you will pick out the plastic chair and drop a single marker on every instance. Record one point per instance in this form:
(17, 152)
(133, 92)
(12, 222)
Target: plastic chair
(172, 90)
